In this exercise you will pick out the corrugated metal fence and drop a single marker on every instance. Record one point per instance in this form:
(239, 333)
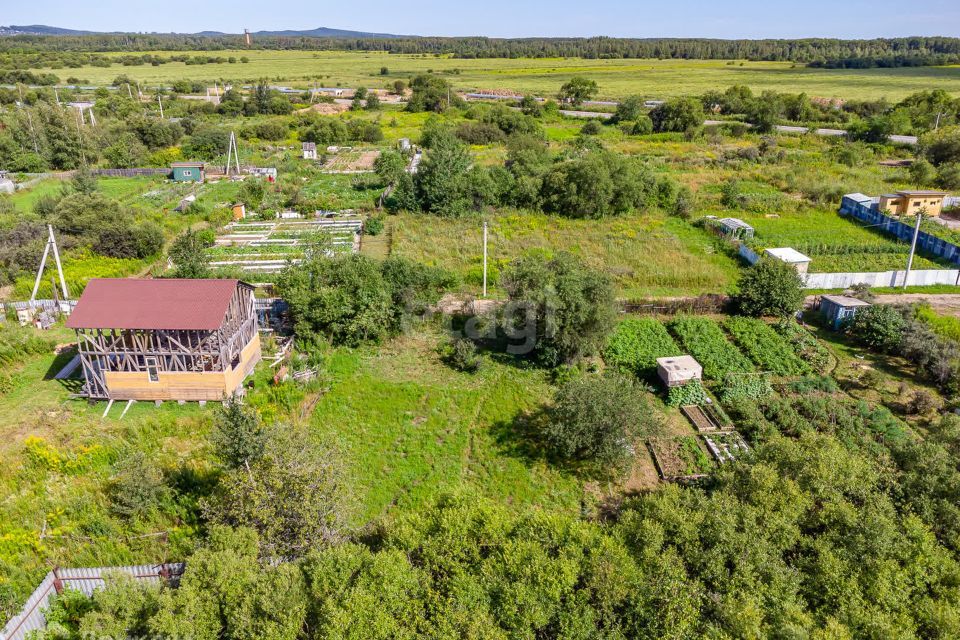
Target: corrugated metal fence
(86, 580)
(842, 280)
(131, 173)
(861, 208)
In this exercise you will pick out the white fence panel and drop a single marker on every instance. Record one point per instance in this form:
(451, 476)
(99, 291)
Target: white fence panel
(918, 278)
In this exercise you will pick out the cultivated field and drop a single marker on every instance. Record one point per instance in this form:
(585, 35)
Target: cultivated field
(617, 78)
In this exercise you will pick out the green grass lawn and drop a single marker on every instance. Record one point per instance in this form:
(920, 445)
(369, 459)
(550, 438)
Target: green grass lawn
(409, 427)
(646, 254)
(617, 78)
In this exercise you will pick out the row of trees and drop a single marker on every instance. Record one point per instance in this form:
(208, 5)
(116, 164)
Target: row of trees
(897, 330)
(819, 51)
(588, 183)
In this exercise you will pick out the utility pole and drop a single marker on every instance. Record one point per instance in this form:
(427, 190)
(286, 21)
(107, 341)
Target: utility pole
(160, 102)
(51, 243)
(484, 258)
(913, 248)
(232, 154)
(33, 131)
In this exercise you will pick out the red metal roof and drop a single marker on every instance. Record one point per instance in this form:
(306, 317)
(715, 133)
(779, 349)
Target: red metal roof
(124, 303)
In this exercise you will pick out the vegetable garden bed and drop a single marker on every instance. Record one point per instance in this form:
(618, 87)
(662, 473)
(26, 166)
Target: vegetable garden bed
(680, 459)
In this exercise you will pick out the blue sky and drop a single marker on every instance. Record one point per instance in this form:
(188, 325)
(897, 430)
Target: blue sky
(507, 18)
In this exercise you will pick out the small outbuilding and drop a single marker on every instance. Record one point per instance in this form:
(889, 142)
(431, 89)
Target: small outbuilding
(309, 150)
(735, 228)
(239, 211)
(677, 371)
(908, 203)
(791, 256)
(838, 310)
(187, 171)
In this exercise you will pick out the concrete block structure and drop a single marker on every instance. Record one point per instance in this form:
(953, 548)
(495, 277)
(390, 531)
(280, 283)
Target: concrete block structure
(677, 371)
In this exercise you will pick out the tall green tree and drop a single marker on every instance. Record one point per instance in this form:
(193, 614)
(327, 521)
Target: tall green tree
(441, 178)
(563, 309)
(599, 418)
(578, 90)
(677, 115)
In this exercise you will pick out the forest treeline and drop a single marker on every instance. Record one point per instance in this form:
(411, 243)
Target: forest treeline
(21, 51)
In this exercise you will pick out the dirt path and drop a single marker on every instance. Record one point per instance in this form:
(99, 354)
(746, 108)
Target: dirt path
(946, 303)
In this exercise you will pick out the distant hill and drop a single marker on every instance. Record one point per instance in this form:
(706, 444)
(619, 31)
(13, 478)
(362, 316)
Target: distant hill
(319, 32)
(40, 30)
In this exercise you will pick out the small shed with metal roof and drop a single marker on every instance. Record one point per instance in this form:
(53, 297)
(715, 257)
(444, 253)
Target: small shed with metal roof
(791, 256)
(187, 171)
(839, 310)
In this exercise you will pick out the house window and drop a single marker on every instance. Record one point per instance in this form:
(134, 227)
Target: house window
(153, 371)
(187, 173)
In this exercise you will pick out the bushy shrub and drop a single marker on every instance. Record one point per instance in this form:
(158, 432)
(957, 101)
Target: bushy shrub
(138, 487)
(461, 354)
(238, 436)
(770, 288)
(373, 225)
(599, 418)
(687, 394)
(591, 128)
(879, 326)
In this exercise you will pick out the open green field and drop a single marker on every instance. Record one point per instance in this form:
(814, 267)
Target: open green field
(646, 254)
(617, 78)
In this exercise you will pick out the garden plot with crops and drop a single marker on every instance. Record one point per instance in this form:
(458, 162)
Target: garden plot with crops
(268, 247)
(352, 161)
(637, 343)
(765, 347)
(681, 458)
(834, 243)
(705, 341)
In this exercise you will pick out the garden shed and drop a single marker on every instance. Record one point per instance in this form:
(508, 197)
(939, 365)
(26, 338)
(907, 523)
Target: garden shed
(791, 256)
(187, 171)
(677, 371)
(309, 150)
(840, 309)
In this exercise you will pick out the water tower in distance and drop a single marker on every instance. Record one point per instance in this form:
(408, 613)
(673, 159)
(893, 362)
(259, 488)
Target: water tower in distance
(246, 36)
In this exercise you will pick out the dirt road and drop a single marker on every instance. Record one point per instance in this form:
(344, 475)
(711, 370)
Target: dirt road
(947, 304)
